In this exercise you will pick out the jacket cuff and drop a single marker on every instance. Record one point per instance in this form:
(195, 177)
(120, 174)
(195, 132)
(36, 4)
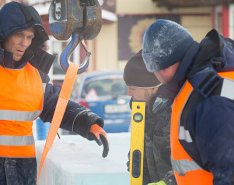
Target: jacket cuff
(83, 121)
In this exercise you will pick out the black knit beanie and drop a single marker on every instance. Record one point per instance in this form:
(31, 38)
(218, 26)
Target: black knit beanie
(136, 74)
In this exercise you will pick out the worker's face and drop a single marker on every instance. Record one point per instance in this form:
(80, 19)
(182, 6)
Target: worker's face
(142, 93)
(166, 75)
(18, 42)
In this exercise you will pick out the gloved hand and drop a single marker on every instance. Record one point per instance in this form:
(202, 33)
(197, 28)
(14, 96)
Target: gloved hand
(99, 135)
(158, 183)
(169, 179)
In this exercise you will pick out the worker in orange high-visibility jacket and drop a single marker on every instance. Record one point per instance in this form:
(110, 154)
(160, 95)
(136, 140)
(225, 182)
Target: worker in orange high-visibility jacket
(26, 95)
(202, 129)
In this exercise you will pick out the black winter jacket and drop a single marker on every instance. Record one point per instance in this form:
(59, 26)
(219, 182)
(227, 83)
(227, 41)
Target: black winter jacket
(157, 163)
(157, 144)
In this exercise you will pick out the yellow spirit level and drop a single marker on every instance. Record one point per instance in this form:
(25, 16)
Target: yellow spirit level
(137, 143)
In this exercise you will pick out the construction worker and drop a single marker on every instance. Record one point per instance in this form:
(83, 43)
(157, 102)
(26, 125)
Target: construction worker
(143, 86)
(26, 94)
(202, 129)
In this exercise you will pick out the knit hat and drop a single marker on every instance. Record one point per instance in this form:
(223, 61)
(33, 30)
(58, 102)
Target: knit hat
(136, 74)
(165, 42)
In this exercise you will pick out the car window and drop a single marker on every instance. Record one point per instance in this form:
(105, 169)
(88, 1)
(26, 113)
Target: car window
(104, 87)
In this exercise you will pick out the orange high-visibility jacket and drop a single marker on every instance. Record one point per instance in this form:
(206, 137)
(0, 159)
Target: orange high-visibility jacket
(186, 170)
(21, 98)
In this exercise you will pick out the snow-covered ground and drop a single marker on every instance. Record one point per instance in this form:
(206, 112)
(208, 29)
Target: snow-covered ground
(74, 160)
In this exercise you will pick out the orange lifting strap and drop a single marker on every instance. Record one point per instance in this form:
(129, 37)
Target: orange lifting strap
(61, 105)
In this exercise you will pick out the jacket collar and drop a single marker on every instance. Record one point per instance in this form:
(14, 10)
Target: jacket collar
(6, 60)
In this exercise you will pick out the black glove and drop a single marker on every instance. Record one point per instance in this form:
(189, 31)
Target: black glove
(169, 179)
(99, 135)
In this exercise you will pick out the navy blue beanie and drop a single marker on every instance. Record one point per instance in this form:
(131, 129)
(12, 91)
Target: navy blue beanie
(165, 42)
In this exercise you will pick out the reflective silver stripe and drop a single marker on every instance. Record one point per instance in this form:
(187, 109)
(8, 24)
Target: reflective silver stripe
(184, 135)
(184, 166)
(18, 115)
(16, 140)
(228, 89)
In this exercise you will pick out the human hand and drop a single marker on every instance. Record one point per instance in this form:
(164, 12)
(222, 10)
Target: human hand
(169, 179)
(99, 135)
(157, 183)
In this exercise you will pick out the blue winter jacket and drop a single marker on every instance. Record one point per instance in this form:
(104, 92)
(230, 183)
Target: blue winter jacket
(209, 120)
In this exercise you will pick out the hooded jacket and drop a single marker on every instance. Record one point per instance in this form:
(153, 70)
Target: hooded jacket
(207, 118)
(15, 17)
(20, 17)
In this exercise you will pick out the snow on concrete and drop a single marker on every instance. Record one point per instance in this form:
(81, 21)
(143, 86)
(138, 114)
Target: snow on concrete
(74, 160)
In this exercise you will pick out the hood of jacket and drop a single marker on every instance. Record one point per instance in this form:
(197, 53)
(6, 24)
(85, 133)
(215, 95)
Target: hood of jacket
(15, 16)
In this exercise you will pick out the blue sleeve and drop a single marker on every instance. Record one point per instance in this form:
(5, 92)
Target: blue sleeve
(214, 137)
(76, 118)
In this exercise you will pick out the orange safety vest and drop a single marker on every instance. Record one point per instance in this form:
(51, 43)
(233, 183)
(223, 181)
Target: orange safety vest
(186, 170)
(21, 100)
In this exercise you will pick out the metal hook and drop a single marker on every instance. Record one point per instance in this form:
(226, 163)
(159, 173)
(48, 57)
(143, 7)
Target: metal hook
(68, 51)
